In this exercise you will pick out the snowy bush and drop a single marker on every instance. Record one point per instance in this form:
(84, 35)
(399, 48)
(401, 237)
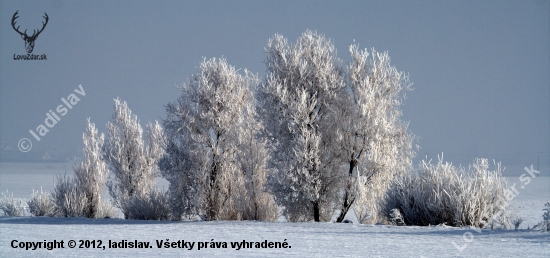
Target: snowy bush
(516, 221)
(504, 219)
(41, 204)
(154, 205)
(546, 217)
(9, 206)
(442, 193)
(68, 199)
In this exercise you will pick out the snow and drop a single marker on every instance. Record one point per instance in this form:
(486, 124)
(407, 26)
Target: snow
(305, 239)
(531, 199)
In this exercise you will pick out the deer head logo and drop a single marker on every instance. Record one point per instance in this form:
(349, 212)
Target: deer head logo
(29, 40)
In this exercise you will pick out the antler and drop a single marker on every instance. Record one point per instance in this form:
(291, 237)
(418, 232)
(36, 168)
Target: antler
(29, 41)
(43, 26)
(13, 24)
(35, 33)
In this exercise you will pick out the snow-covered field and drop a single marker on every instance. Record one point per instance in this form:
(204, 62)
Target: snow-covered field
(303, 239)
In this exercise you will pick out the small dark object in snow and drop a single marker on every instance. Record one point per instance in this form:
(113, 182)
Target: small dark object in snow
(106, 217)
(347, 221)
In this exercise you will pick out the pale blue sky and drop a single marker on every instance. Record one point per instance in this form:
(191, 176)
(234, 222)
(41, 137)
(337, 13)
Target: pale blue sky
(481, 69)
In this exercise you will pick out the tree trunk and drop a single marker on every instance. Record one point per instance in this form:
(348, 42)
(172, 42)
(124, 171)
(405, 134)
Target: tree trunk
(346, 204)
(212, 192)
(316, 216)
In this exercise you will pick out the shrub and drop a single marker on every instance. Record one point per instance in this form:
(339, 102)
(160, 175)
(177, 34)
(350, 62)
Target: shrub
(68, 200)
(442, 193)
(10, 206)
(154, 205)
(546, 217)
(517, 222)
(41, 204)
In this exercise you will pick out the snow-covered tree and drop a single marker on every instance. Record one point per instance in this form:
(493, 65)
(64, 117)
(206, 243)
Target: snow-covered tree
(203, 141)
(79, 195)
(133, 164)
(297, 100)
(374, 142)
(91, 173)
(256, 202)
(178, 166)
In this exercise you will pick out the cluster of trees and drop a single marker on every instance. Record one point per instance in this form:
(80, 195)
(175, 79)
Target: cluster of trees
(79, 195)
(335, 134)
(312, 141)
(215, 160)
(311, 138)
